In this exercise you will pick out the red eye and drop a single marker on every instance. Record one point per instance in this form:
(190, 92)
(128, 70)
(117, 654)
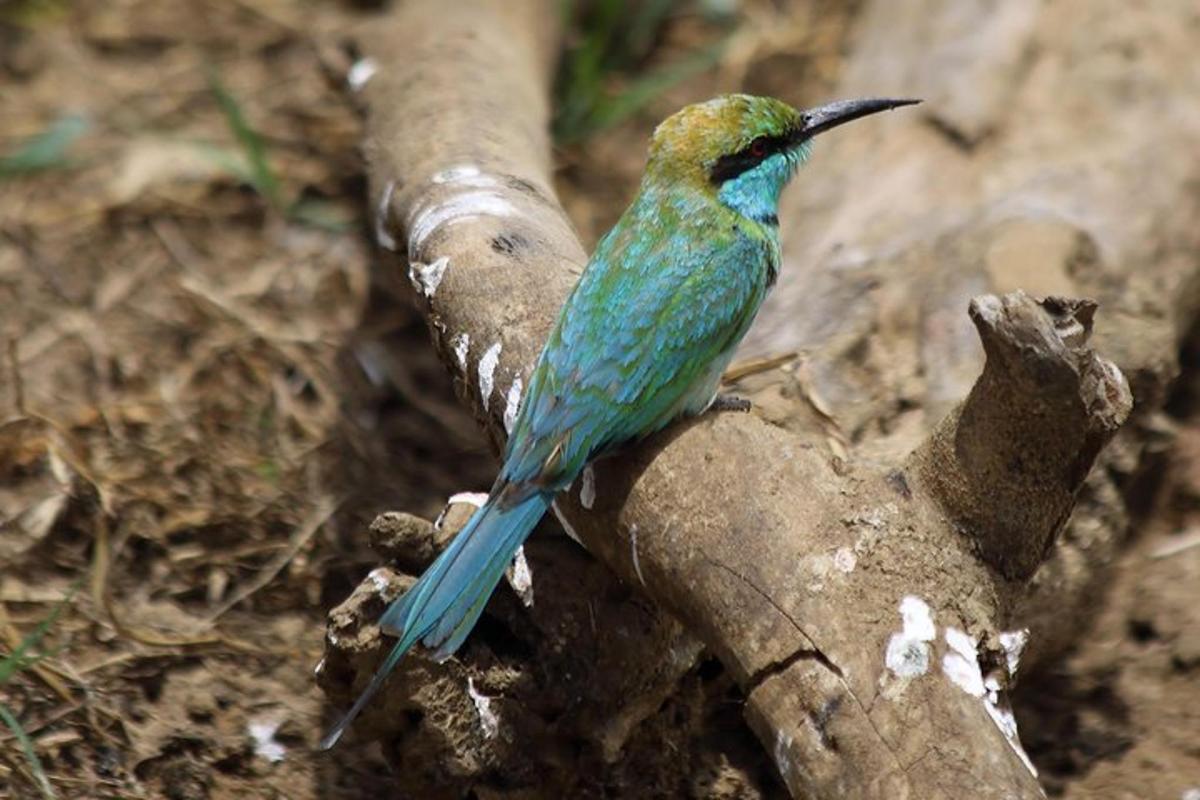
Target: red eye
(758, 148)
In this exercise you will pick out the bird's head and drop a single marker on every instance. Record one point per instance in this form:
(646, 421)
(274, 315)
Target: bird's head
(743, 148)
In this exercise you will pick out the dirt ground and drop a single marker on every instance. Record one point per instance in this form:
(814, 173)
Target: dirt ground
(210, 384)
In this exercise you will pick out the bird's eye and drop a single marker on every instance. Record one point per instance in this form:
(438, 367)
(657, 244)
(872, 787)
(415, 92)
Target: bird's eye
(758, 148)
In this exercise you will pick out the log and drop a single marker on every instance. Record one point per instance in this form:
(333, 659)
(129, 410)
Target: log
(872, 604)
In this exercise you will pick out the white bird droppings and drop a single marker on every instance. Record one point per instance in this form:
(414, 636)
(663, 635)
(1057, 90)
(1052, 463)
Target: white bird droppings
(566, 525)
(520, 577)
(360, 72)
(961, 664)
(461, 345)
(1003, 718)
(908, 654)
(476, 499)
(1014, 643)
(1191, 794)
(637, 567)
(483, 707)
(456, 173)
(845, 560)
(908, 651)
(263, 731)
(426, 278)
(487, 373)
(461, 206)
(587, 488)
(783, 760)
(379, 580)
(918, 619)
(512, 404)
(467, 175)
(383, 218)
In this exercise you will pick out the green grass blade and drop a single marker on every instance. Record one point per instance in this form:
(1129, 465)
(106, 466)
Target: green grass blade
(581, 78)
(33, 14)
(648, 19)
(618, 108)
(46, 150)
(615, 38)
(262, 177)
(35, 763)
(227, 159)
(319, 214)
(17, 660)
(20, 659)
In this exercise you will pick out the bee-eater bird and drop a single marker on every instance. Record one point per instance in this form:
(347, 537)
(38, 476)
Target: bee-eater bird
(643, 339)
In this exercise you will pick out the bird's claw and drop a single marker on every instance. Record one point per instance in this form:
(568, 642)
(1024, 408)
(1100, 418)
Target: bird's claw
(730, 402)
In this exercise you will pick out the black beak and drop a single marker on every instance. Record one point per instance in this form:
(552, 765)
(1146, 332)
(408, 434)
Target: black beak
(822, 118)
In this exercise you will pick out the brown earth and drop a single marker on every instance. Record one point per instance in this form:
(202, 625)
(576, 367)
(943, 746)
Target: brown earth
(203, 403)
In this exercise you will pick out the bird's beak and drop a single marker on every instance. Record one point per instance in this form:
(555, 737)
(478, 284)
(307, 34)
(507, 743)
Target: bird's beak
(822, 118)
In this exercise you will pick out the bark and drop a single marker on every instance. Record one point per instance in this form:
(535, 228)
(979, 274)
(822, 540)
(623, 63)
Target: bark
(1009, 461)
(1040, 167)
(870, 604)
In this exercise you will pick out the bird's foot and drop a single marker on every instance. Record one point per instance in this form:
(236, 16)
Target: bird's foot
(730, 402)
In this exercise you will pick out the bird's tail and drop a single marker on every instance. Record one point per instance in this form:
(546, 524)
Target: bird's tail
(443, 606)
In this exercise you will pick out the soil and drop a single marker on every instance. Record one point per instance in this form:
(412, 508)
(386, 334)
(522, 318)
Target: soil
(205, 398)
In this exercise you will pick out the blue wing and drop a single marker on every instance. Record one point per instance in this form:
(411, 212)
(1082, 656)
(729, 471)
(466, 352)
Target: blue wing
(638, 338)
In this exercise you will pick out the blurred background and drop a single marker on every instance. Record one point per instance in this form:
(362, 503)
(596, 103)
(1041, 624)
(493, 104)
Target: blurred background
(209, 385)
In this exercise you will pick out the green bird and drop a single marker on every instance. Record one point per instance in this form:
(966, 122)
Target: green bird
(643, 339)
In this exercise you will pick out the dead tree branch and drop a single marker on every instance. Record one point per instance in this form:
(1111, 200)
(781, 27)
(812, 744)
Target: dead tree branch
(866, 608)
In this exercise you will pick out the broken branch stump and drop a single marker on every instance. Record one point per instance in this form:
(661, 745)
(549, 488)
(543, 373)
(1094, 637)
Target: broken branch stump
(863, 611)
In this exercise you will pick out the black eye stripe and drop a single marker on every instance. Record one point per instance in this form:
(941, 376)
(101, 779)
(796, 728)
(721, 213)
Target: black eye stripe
(730, 166)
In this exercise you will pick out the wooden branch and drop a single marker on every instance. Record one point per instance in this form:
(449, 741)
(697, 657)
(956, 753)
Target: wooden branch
(1010, 185)
(866, 611)
(1007, 464)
